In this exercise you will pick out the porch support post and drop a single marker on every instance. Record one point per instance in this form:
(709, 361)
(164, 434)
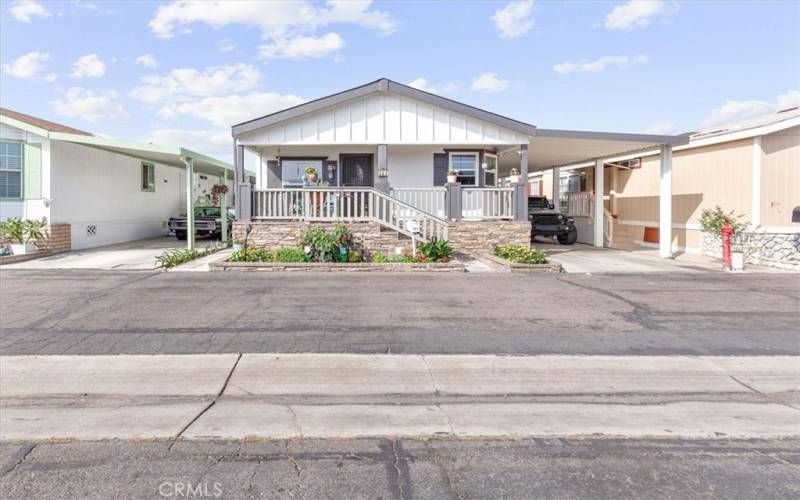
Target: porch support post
(521, 189)
(453, 200)
(556, 186)
(244, 198)
(598, 203)
(665, 204)
(223, 208)
(189, 203)
(382, 183)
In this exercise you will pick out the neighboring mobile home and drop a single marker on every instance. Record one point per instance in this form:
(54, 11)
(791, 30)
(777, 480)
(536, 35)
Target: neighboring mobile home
(95, 191)
(751, 168)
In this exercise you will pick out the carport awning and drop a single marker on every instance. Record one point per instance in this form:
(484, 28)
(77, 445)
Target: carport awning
(558, 148)
(166, 155)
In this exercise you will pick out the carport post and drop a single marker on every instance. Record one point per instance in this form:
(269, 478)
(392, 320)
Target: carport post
(665, 204)
(223, 208)
(521, 189)
(598, 203)
(189, 203)
(556, 186)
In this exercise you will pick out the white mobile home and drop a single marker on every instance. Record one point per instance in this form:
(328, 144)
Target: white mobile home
(103, 191)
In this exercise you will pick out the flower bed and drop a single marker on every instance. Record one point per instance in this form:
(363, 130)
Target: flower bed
(336, 249)
(522, 259)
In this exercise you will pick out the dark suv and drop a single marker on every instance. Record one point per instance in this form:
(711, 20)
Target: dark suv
(547, 221)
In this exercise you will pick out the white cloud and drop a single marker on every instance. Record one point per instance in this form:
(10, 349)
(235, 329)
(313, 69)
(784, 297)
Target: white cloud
(637, 14)
(214, 142)
(274, 19)
(185, 83)
(422, 84)
(88, 66)
(90, 105)
(598, 65)
(732, 111)
(302, 47)
(515, 19)
(27, 65)
(288, 27)
(147, 60)
(230, 110)
(91, 6)
(489, 82)
(226, 45)
(25, 10)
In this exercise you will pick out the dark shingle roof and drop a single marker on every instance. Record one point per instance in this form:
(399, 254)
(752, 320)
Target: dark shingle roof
(38, 122)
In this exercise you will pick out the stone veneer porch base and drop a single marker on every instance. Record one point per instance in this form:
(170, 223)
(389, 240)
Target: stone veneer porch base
(469, 237)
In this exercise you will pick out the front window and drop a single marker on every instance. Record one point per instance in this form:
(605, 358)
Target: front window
(293, 171)
(466, 164)
(10, 169)
(148, 177)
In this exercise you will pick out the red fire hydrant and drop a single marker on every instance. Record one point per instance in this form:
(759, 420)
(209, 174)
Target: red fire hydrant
(726, 231)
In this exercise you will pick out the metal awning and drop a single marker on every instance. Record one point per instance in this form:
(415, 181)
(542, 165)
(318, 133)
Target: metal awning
(174, 156)
(558, 148)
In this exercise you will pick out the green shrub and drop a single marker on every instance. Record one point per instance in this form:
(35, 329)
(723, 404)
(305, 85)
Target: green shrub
(712, 220)
(355, 256)
(174, 258)
(436, 250)
(289, 254)
(380, 258)
(521, 254)
(22, 231)
(325, 243)
(252, 254)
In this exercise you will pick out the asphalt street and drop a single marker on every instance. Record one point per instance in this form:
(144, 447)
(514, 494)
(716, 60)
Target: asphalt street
(144, 312)
(404, 469)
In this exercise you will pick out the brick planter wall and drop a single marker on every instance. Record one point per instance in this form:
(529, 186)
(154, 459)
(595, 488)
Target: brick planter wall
(478, 237)
(56, 239)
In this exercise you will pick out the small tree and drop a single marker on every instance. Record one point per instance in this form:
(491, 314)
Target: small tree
(713, 220)
(23, 231)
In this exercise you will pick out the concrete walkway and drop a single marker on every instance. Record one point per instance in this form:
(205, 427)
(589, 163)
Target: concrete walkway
(278, 396)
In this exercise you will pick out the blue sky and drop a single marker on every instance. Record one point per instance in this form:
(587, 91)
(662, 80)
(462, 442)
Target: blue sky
(183, 72)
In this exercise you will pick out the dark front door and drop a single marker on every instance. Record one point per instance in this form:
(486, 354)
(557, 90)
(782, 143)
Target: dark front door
(357, 170)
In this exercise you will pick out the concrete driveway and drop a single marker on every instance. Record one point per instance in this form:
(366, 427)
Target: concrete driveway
(132, 255)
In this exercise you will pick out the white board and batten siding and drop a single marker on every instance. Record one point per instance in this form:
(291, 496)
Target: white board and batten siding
(383, 118)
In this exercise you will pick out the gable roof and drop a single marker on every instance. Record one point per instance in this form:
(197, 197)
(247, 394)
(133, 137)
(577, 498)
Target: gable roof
(41, 123)
(382, 85)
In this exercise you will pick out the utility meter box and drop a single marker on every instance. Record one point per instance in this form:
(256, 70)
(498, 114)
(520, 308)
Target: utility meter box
(412, 226)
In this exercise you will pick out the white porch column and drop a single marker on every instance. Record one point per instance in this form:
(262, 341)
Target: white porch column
(556, 186)
(189, 203)
(665, 204)
(598, 203)
(756, 210)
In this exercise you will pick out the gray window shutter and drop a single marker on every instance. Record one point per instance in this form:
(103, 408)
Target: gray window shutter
(274, 174)
(439, 169)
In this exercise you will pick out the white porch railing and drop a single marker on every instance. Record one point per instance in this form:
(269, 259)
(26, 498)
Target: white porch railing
(580, 204)
(487, 203)
(431, 200)
(345, 204)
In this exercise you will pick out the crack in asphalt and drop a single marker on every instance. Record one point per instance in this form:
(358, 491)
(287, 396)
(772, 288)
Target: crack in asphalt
(22, 454)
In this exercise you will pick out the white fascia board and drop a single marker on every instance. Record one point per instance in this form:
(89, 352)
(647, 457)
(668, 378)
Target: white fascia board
(24, 126)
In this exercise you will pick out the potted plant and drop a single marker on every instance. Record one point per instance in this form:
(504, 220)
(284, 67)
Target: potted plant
(23, 234)
(312, 175)
(452, 175)
(513, 176)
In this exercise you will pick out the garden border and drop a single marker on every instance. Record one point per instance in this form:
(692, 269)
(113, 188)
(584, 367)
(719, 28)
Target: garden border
(518, 267)
(453, 266)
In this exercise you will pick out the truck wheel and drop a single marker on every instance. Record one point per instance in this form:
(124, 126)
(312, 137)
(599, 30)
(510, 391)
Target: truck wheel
(570, 238)
(181, 235)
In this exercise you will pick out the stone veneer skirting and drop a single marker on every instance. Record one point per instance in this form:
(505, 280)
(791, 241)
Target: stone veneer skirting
(779, 250)
(470, 237)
